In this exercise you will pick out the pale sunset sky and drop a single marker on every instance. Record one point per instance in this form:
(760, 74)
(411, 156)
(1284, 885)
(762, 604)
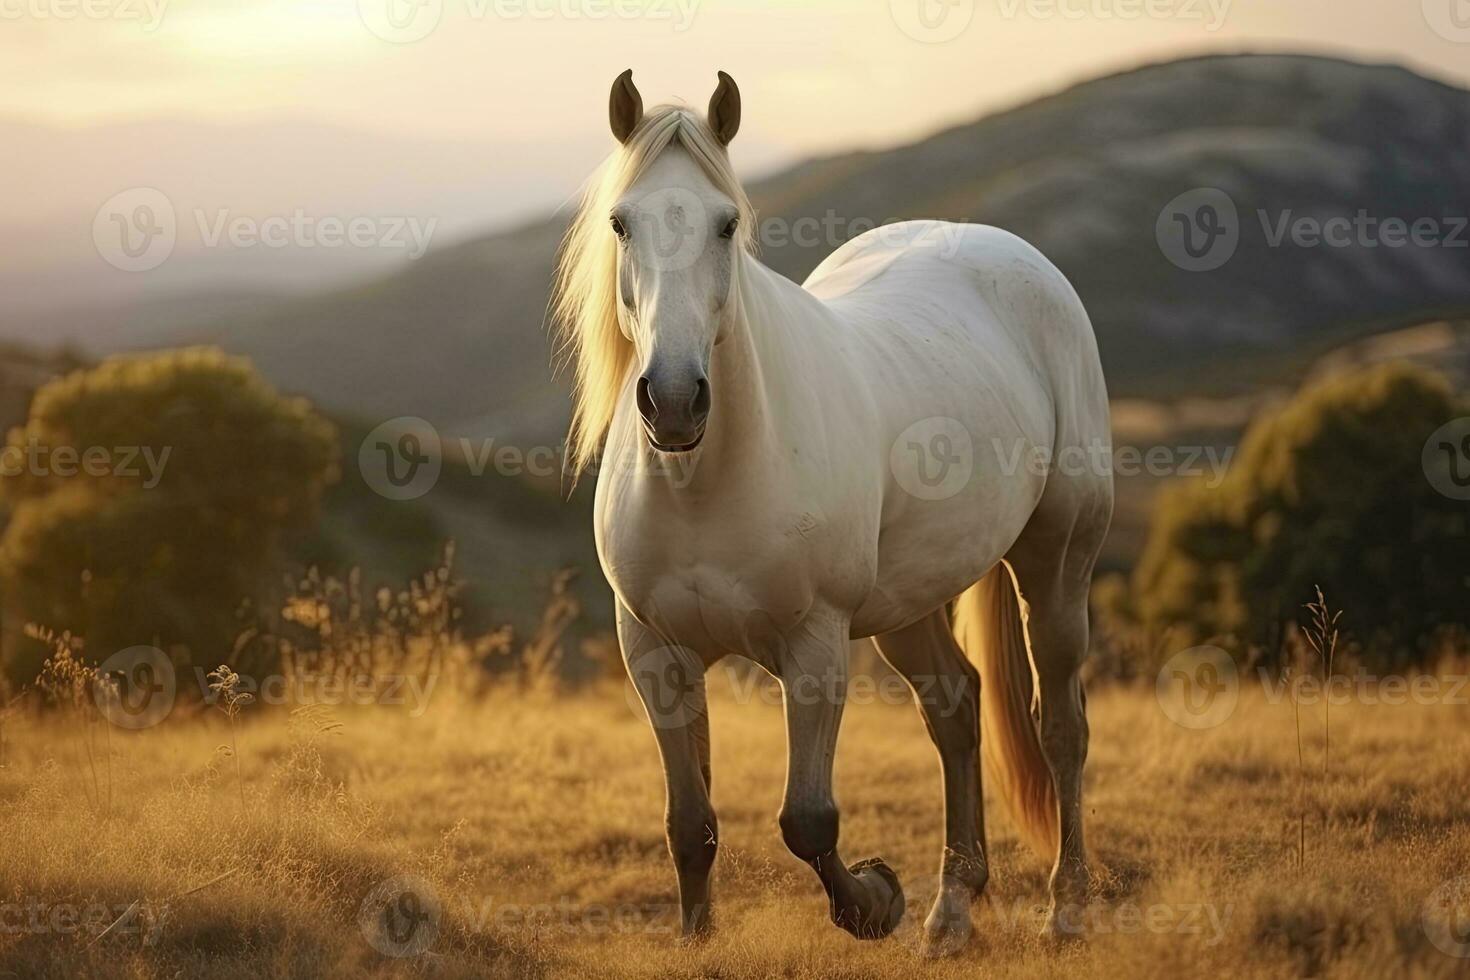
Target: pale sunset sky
(485, 112)
(817, 75)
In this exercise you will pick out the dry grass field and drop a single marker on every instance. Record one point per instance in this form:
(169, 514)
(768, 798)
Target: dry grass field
(531, 829)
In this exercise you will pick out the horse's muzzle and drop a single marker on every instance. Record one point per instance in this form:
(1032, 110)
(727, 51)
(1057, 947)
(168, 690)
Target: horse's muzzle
(674, 416)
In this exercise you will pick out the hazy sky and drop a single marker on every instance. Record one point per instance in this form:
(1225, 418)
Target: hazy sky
(475, 113)
(816, 74)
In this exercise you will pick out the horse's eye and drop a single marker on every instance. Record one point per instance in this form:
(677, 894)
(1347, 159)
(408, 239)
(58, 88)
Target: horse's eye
(618, 229)
(729, 230)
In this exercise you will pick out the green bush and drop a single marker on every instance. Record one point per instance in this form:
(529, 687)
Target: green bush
(1328, 490)
(146, 499)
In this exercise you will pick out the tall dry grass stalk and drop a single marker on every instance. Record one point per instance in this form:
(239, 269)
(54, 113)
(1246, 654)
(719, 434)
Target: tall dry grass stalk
(73, 687)
(1321, 634)
(1293, 675)
(225, 684)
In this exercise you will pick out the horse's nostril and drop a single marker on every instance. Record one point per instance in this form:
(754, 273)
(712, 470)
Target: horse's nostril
(646, 406)
(699, 407)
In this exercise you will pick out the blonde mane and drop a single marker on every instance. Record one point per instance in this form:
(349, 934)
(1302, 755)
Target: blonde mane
(584, 304)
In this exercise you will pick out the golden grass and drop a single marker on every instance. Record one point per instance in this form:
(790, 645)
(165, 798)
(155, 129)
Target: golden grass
(537, 825)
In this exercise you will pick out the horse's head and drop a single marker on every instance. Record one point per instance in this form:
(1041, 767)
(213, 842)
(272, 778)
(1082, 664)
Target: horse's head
(678, 238)
(648, 278)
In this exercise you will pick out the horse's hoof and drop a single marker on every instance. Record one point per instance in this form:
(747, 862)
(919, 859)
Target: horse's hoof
(1060, 928)
(696, 929)
(888, 902)
(948, 927)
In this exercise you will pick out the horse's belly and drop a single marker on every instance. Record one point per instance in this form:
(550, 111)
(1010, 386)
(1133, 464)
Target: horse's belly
(932, 550)
(910, 587)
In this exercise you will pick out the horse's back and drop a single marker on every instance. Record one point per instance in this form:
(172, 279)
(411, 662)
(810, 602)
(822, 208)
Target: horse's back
(979, 360)
(915, 278)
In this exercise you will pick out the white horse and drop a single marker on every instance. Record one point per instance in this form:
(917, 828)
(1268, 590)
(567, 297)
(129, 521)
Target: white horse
(787, 467)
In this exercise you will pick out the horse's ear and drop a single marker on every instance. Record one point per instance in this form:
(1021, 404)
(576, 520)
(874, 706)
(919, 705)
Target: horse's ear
(724, 110)
(624, 106)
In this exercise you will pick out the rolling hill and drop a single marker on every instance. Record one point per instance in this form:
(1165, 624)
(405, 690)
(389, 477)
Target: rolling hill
(1086, 174)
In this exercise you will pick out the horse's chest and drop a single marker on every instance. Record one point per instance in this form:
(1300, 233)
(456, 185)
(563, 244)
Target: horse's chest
(724, 585)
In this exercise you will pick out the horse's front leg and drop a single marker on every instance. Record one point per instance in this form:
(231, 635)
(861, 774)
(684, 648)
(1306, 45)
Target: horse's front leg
(865, 899)
(670, 682)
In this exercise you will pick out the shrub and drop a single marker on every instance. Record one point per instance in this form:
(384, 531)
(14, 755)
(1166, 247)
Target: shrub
(147, 496)
(1329, 490)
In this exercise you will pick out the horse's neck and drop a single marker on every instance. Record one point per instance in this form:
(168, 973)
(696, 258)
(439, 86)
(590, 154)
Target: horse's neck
(756, 367)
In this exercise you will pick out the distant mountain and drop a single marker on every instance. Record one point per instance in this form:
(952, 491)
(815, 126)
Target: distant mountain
(1084, 174)
(457, 337)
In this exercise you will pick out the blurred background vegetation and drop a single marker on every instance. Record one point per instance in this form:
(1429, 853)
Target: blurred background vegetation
(1327, 368)
(1328, 490)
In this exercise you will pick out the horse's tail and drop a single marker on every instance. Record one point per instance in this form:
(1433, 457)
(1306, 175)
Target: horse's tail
(987, 626)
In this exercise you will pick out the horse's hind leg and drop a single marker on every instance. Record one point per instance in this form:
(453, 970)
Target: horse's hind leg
(947, 689)
(1053, 562)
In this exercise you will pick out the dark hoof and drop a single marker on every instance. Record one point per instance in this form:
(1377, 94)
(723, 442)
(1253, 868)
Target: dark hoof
(696, 929)
(886, 909)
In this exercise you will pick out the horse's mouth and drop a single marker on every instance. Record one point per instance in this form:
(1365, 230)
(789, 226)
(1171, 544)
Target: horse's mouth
(684, 447)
